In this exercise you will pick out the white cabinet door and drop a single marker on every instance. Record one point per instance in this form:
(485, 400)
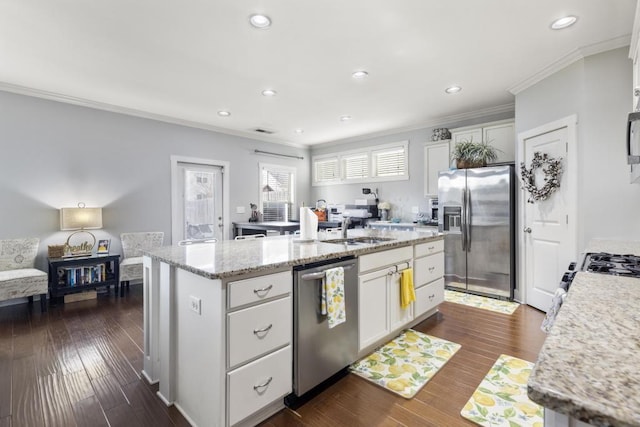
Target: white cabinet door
(398, 316)
(372, 308)
(474, 135)
(500, 134)
(502, 137)
(436, 159)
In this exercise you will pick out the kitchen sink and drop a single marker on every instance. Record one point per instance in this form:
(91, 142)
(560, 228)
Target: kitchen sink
(360, 240)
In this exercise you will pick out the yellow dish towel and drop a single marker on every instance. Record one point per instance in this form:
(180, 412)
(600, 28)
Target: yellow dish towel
(407, 291)
(332, 301)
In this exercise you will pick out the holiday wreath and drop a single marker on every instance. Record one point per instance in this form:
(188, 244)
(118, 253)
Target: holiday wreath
(552, 169)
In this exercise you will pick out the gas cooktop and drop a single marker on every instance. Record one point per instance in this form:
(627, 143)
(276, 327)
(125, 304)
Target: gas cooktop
(618, 265)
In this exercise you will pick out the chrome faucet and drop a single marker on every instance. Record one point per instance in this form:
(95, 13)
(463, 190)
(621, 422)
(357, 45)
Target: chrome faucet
(346, 220)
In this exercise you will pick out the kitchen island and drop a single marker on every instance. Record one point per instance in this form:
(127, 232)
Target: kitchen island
(200, 300)
(589, 366)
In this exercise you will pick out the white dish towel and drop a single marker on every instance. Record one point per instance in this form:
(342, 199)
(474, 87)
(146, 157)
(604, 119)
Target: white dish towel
(332, 301)
(558, 298)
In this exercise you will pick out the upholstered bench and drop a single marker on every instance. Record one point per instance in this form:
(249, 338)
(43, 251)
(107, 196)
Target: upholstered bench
(18, 277)
(133, 246)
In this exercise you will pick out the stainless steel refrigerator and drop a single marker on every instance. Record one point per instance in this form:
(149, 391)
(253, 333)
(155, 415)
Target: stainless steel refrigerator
(477, 217)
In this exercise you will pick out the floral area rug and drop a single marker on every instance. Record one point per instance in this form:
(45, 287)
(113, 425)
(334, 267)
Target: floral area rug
(405, 364)
(501, 398)
(492, 304)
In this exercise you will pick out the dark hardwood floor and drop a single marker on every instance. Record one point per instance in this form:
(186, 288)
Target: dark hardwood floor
(484, 335)
(79, 364)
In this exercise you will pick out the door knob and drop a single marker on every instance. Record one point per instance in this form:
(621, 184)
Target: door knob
(527, 230)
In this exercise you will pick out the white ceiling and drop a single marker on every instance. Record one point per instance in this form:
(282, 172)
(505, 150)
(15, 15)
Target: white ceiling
(183, 61)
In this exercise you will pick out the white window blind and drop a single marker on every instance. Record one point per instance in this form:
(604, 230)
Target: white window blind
(277, 198)
(356, 166)
(326, 170)
(391, 162)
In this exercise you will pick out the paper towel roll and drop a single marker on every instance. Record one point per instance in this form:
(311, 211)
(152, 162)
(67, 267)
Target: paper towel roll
(308, 224)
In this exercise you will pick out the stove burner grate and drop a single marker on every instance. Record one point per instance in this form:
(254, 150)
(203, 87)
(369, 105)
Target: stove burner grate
(619, 265)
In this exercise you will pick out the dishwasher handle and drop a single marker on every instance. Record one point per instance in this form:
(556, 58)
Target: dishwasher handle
(321, 274)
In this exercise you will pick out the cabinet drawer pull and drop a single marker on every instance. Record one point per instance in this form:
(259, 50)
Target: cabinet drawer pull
(265, 290)
(431, 248)
(431, 269)
(259, 331)
(263, 385)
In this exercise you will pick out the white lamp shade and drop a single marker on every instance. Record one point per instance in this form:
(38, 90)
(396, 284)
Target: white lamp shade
(80, 218)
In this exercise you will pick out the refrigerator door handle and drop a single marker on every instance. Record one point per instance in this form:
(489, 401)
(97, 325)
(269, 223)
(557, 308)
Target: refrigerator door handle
(467, 220)
(463, 230)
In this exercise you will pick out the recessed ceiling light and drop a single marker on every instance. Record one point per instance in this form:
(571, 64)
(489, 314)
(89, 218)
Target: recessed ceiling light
(269, 92)
(260, 21)
(453, 89)
(565, 22)
(299, 131)
(345, 118)
(224, 113)
(361, 74)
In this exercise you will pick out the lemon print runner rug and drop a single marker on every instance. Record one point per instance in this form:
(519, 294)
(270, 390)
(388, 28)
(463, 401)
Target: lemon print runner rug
(405, 364)
(492, 304)
(501, 398)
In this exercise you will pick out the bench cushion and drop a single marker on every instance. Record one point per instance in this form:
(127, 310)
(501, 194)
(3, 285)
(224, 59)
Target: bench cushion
(23, 282)
(131, 269)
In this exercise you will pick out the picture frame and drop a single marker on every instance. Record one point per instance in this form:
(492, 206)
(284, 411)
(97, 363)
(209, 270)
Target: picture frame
(103, 246)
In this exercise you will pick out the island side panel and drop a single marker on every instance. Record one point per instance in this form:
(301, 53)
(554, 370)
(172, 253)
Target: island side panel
(199, 347)
(166, 334)
(151, 292)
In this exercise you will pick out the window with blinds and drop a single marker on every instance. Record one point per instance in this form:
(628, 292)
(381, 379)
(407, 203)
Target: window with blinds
(356, 166)
(388, 162)
(277, 190)
(326, 170)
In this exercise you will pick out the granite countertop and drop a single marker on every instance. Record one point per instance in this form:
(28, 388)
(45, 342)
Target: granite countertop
(589, 365)
(231, 257)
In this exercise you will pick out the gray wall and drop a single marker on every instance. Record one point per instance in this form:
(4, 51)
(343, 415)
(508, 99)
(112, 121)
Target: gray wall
(55, 155)
(599, 90)
(403, 195)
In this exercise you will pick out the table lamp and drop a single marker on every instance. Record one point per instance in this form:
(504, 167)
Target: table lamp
(81, 219)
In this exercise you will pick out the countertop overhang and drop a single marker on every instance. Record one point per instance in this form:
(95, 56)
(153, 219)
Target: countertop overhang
(589, 364)
(232, 257)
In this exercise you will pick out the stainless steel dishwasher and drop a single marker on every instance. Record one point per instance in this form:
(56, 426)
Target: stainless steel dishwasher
(320, 352)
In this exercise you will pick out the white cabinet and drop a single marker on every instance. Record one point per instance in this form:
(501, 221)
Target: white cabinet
(259, 356)
(436, 158)
(379, 311)
(428, 272)
(500, 134)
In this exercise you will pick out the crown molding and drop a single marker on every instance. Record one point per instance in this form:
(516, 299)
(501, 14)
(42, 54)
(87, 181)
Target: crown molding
(444, 120)
(113, 108)
(568, 59)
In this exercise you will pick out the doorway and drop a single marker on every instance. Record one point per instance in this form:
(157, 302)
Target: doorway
(199, 202)
(547, 232)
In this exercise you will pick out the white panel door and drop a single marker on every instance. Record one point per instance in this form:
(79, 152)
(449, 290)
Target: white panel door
(373, 318)
(502, 137)
(548, 241)
(398, 316)
(436, 158)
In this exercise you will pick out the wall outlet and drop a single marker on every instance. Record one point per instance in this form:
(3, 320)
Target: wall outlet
(195, 304)
(240, 209)
(415, 209)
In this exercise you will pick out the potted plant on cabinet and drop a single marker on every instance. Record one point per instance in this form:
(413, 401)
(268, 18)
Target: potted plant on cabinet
(469, 154)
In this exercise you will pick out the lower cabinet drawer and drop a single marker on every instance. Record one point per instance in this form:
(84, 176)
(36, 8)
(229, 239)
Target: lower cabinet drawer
(259, 383)
(428, 297)
(427, 269)
(259, 329)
